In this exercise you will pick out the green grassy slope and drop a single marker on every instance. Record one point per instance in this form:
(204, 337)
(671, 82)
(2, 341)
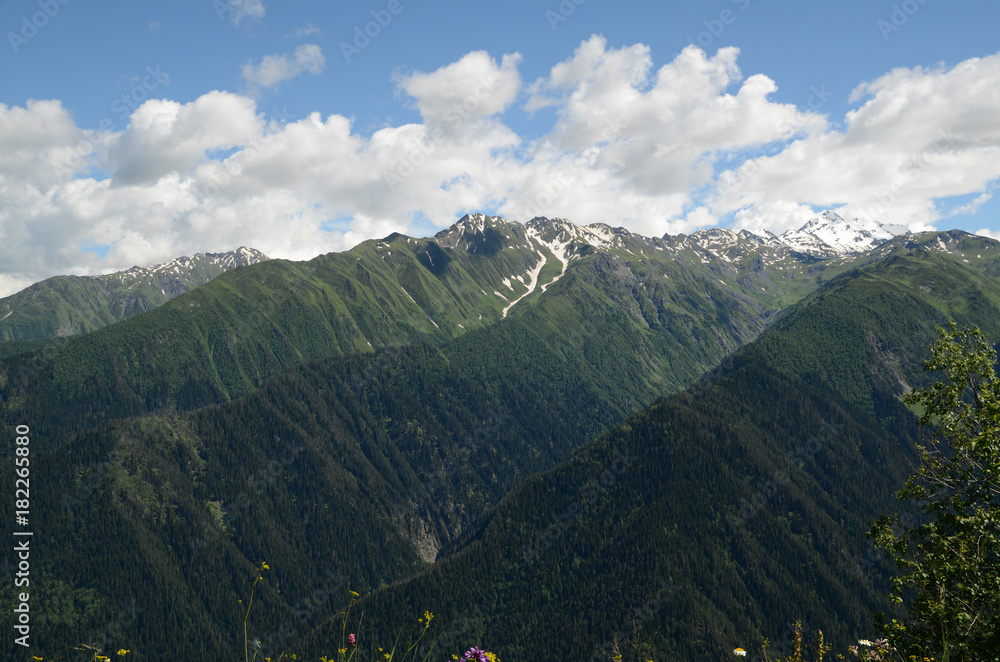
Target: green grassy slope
(71, 305)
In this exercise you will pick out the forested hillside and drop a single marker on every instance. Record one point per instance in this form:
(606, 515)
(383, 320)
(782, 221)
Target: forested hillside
(325, 417)
(721, 515)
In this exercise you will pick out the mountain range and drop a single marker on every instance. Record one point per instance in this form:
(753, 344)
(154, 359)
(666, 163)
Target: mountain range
(549, 435)
(69, 305)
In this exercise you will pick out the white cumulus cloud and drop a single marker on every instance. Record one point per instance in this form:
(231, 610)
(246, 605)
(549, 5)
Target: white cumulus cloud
(166, 137)
(472, 88)
(669, 148)
(276, 69)
(919, 136)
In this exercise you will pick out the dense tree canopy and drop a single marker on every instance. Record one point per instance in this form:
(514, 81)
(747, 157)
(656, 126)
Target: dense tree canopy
(950, 560)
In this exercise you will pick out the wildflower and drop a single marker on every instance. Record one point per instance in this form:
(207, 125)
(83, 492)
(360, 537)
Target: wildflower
(475, 654)
(864, 642)
(351, 639)
(739, 652)
(122, 652)
(355, 594)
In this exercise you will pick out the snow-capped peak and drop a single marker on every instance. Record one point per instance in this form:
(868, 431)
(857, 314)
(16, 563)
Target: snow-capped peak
(845, 237)
(828, 235)
(598, 235)
(825, 236)
(760, 235)
(181, 266)
(475, 223)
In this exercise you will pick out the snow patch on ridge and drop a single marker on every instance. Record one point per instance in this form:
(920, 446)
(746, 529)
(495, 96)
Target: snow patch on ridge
(560, 249)
(562, 254)
(533, 274)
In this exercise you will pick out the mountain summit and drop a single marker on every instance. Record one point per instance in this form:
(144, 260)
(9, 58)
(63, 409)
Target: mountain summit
(829, 235)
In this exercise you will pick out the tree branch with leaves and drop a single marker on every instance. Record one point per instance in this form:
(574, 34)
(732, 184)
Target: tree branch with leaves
(950, 561)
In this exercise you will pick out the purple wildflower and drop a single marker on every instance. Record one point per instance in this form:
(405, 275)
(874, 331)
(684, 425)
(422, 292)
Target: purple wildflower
(475, 654)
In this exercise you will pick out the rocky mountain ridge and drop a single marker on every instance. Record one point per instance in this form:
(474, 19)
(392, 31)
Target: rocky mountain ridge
(70, 305)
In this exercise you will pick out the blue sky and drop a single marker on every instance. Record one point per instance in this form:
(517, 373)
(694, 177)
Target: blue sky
(135, 132)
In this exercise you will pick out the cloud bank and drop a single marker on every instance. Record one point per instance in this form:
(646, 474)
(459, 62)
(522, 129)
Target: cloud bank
(669, 149)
